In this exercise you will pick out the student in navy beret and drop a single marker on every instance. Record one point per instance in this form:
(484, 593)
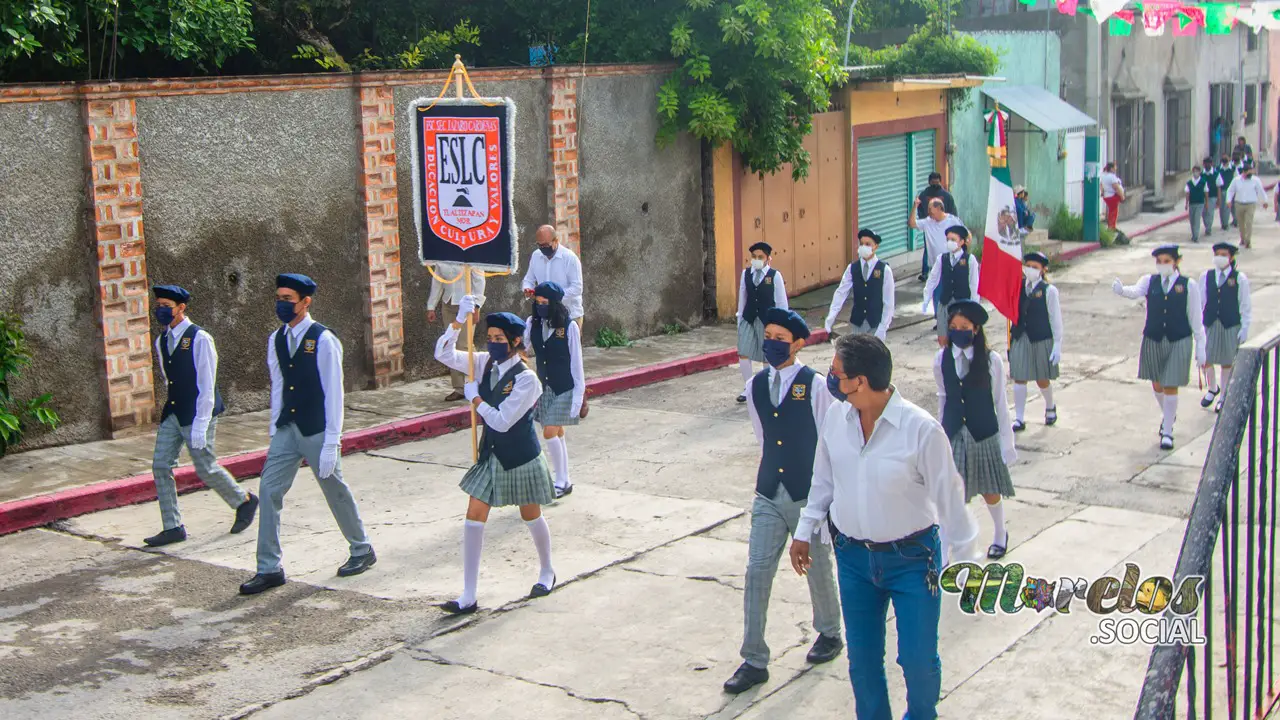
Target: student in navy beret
(760, 288)
(1226, 307)
(871, 282)
(1037, 340)
(557, 347)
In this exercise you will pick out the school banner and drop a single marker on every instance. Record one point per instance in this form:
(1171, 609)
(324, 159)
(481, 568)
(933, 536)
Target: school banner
(463, 174)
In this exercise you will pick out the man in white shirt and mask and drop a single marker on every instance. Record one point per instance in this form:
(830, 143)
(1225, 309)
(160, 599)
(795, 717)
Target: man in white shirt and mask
(553, 262)
(885, 484)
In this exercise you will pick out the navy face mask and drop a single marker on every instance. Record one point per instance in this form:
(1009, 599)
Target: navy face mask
(164, 314)
(962, 339)
(833, 386)
(285, 311)
(499, 351)
(542, 310)
(776, 352)
(546, 250)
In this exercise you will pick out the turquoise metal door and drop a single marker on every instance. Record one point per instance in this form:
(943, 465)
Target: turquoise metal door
(884, 190)
(922, 163)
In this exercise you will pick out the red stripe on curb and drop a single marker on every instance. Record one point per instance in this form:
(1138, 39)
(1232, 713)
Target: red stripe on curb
(1081, 251)
(44, 509)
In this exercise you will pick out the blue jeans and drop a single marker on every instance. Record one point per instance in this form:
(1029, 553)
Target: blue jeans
(868, 582)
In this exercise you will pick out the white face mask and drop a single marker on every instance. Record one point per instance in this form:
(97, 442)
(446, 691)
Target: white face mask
(1031, 274)
(952, 246)
(1221, 262)
(866, 252)
(1165, 270)
(757, 264)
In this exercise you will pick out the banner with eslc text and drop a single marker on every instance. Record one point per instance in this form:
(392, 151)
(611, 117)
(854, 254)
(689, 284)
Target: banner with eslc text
(463, 166)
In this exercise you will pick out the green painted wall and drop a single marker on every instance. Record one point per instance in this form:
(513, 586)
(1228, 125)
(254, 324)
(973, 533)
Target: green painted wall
(1033, 157)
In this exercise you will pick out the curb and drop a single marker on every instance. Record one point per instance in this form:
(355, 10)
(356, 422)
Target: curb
(44, 509)
(1081, 251)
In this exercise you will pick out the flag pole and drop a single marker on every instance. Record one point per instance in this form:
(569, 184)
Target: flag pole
(458, 71)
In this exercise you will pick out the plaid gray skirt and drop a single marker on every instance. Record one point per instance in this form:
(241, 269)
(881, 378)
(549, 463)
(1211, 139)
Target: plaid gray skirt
(942, 316)
(491, 484)
(751, 340)
(1223, 343)
(553, 409)
(981, 465)
(1168, 364)
(1029, 361)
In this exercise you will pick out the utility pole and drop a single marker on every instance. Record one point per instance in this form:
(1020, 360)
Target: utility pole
(1093, 89)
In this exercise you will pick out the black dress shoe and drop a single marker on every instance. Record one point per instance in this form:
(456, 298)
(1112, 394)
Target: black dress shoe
(995, 552)
(566, 490)
(262, 581)
(357, 564)
(245, 514)
(742, 398)
(168, 537)
(825, 649)
(541, 590)
(1019, 426)
(745, 678)
(453, 608)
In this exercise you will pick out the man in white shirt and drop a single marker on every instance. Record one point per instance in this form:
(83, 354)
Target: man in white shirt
(1244, 194)
(935, 230)
(552, 262)
(1112, 193)
(448, 286)
(885, 483)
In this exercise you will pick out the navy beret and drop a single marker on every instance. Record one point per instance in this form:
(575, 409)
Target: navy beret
(762, 246)
(971, 309)
(960, 230)
(868, 232)
(1226, 246)
(789, 320)
(304, 285)
(1170, 250)
(171, 292)
(511, 325)
(1037, 257)
(550, 291)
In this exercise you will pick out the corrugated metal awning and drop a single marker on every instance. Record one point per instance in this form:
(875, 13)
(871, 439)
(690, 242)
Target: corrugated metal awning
(1038, 107)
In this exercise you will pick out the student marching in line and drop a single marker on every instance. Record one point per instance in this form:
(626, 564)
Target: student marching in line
(1037, 340)
(557, 344)
(511, 469)
(973, 410)
(760, 289)
(1173, 317)
(871, 281)
(1226, 309)
(954, 277)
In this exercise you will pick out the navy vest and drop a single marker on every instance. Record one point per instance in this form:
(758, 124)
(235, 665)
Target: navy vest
(1222, 302)
(790, 435)
(302, 397)
(1033, 314)
(968, 404)
(1227, 174)
(1196, 190)
(1211, 183)
(552, 354)
(1167, 314)
(759, 297)
(519, 444)
(868, 295)
(955, 280)
(180, 371)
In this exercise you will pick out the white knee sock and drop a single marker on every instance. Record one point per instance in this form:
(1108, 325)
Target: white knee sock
(472, 545)
(559, 454)
(1047, 393)
(1159, 399)
(1000, 536)
(1019, 400)
(744, 365)
(1211, 377)
(1226, 377)
(542, 540)
(1170, 412)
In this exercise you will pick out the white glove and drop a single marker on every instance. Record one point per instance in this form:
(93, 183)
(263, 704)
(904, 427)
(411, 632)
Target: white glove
(924, 309)
(1056, 355)
(466, 306)
(1009, 455)
(1244, 334)
(199, 437)
(1117, 287)
(828, 327)
(471, 391)
(328, 461)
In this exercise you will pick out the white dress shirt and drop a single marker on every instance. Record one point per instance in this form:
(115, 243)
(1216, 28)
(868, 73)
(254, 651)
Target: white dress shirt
(846, 286)
(1110, 183)
(205, 356)
(757, 276)
(963, 359)
(329, 360)
(1246, 302)
(563, 268)
(899, 481)
(1195, 305)
(821, 399)
(1246, 190)
(935, 232)
(451, 293)
(1055, 311)
(935, 275)
(524, 396)
(574, 335)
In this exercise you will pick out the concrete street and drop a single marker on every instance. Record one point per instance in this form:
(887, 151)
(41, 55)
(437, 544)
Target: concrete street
(650, 552)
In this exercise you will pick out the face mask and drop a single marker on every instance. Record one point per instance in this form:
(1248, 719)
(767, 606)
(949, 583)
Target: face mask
(1165, 270)
(866, 252)
(164, 314)
(776, 352)
(1195, 176)
(833, 387)
(952, 246)
(541, 310)
(499, 351)
(757, 264)
(962, 339)
(546, 250)
(285, 311)
(1031, 274)
(1221, 262)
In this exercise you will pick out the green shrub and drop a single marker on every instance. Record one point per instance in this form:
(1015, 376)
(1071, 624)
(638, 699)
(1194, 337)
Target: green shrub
(608, 338)
(674, 328)
(18, 416)
(1107, 237)
(1066, 225)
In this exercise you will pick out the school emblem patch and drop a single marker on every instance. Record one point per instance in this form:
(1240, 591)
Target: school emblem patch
(876, 274)
(1231, 282)
(560, 332)
(1177, 289)
(506, 389)
(963, 262)
(309, 346)
(186, 343)
(1039, 294)
(798, 391)
(768, 280)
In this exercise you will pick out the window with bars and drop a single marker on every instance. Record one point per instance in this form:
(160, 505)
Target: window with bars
(1177, 132)
(1250, 103)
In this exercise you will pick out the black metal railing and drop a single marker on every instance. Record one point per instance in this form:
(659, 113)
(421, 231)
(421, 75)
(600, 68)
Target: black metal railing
(1239, 651)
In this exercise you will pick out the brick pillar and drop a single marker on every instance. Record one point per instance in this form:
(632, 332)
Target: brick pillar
(116, 192)
(385, 330)
(564, 158)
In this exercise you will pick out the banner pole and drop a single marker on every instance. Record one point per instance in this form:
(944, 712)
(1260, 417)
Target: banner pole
(458, 71)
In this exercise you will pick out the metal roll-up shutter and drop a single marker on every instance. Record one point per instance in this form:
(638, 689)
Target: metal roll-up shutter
(922, 157)
(884, 191)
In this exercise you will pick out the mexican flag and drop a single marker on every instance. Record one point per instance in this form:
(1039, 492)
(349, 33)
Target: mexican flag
(1000, 274)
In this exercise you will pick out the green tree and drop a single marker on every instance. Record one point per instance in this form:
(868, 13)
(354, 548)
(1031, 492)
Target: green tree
(18, 416)
(751, 72)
